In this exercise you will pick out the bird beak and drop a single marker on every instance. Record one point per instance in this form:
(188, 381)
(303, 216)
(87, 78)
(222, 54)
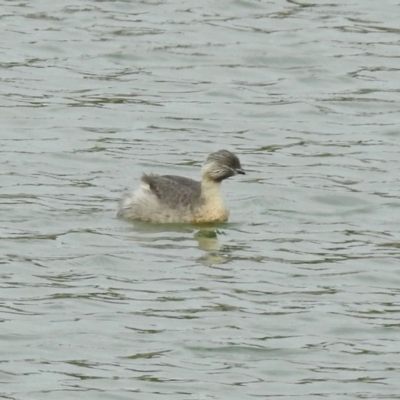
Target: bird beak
(240, 171)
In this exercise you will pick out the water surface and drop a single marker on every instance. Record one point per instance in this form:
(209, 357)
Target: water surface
(297, 296)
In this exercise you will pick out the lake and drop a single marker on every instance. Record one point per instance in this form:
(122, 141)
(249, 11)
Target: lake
(297, 296)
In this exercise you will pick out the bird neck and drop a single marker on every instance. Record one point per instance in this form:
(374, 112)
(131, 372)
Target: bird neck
(211, 191)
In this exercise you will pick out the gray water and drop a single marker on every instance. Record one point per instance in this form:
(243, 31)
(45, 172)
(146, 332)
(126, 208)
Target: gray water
(297, 296)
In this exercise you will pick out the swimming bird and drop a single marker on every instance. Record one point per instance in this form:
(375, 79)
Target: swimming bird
(171, 198)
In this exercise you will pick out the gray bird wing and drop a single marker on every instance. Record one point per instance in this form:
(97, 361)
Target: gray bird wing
(174, 191)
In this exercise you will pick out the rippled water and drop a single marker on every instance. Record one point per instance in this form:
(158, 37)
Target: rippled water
(297, 296)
